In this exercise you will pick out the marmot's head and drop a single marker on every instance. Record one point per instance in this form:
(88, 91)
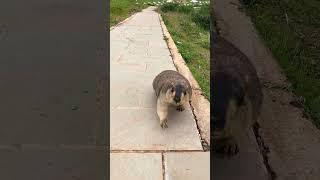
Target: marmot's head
(178, 94)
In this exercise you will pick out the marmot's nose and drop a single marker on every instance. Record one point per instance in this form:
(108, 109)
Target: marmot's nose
(176, 99)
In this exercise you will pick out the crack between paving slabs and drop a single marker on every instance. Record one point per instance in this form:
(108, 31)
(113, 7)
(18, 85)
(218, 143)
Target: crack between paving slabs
(146, 67)
(133, 107)
(154, 151)
(264, 150)
(163, 167)
(204, 145)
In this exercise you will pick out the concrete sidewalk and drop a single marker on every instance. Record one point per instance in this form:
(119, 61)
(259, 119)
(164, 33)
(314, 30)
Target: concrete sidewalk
(140, 149)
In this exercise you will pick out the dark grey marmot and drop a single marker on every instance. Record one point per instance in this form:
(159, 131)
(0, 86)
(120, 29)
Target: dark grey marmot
(171, 88)
(236, 94)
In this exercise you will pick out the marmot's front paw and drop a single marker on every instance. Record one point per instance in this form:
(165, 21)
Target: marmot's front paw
(180, 108)
(164, 124)
(226, 147)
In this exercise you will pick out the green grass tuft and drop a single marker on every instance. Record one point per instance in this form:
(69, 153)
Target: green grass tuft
(121, 9)
(202, 17)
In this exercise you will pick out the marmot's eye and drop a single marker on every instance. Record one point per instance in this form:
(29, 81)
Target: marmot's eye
(185, 93)
(172, 90)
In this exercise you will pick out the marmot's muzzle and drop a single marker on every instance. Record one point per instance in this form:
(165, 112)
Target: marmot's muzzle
(176, 99)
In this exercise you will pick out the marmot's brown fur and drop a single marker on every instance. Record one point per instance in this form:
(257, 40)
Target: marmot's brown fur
(171, 88)
(236, 95)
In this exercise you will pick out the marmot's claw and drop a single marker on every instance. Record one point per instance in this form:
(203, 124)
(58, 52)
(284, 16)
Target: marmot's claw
(180, 108)
(164, 124)
(227, 147)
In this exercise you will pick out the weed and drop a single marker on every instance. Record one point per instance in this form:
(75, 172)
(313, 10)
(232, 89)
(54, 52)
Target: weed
(202, 17)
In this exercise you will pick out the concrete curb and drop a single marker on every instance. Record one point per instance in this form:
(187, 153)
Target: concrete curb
(199, 104)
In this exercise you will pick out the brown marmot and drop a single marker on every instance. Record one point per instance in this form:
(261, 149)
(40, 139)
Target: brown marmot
(172, 89)
(236, 95)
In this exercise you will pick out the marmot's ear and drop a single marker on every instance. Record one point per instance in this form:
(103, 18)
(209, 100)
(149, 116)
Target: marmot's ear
(172, 86)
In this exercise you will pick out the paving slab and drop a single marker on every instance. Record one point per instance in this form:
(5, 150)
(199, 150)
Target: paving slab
(139, 129)
(131, 95)
(117, 49)
(187, 166)
(156, 68)
(136, 166)
(131, 58)
(248, 164)
(141, 55)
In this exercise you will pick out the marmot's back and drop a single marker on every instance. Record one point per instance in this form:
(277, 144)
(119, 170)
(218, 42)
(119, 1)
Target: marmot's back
(230, 60)
(167, 78)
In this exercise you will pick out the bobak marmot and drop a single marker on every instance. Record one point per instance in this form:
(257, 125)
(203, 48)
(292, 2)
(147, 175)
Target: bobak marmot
(236, 94)
(172, 89)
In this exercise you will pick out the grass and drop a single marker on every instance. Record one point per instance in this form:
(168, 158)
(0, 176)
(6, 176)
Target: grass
(121, 9)
(190, 30)
(291, 29)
